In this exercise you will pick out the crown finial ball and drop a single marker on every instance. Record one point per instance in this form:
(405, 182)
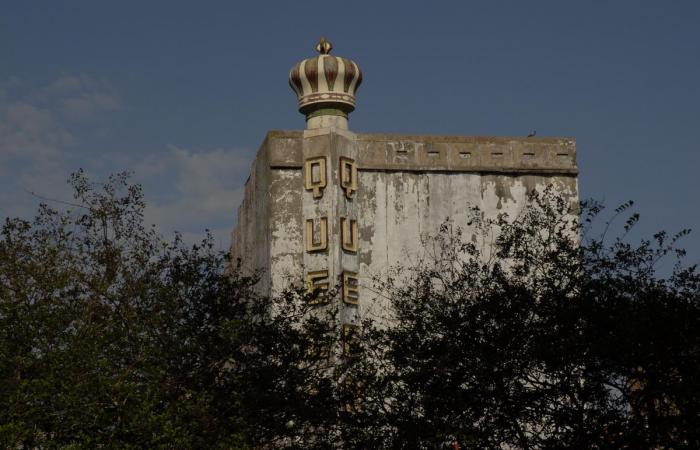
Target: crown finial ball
(326, 84)
(324, 47)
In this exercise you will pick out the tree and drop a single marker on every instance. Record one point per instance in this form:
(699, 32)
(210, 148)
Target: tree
(549, 338)
(530, 332)
(113, 337)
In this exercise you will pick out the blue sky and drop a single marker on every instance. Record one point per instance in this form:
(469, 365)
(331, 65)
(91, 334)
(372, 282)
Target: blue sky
(183, 92)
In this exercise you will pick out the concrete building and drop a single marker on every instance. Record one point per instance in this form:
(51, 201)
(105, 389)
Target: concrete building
(335, 207)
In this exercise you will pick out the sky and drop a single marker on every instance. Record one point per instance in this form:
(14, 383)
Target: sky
(182, 93)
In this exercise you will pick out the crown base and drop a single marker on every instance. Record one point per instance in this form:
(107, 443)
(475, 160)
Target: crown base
(343, 101)
(327, 121)
(326, 115)
(327, 111)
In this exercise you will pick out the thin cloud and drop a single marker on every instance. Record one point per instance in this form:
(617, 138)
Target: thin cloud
(31, 132)
(40, 128)
(33, 122)
(40, 145)
(80, 97)
(203, 191)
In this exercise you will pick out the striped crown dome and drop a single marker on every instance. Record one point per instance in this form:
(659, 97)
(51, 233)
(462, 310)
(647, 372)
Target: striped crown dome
(325, 84)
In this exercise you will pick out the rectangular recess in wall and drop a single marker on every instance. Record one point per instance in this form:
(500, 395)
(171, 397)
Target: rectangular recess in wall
(497, 155)
(433, 153)
(528, 155)
(400, 151)
(465, 155)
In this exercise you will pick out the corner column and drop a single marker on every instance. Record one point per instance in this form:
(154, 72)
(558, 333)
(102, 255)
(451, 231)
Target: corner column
(330, 219)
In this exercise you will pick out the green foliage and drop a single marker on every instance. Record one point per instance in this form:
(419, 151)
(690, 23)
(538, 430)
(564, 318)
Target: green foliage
(111, 337)
(530, 332)
(549, 338)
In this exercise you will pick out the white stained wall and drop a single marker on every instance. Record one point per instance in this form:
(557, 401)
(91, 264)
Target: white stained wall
(400, 209)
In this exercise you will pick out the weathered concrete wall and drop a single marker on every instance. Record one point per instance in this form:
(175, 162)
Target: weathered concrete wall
(250, 241)
(267, 236)
(407, 187)
(399, 209)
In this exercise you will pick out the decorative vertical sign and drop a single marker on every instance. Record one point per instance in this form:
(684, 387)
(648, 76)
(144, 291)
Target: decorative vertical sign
(351, 339)
(317, 284)
(330, 225)
(348, 176)
(315, 175)
(351, 291)
(348, 234)
(316, 241)
(353, 387)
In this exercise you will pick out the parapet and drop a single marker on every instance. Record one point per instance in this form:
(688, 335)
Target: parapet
(425, 153)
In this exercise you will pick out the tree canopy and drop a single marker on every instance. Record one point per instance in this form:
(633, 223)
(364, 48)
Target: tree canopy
(552, 337)
(532, 332)
(113, 337)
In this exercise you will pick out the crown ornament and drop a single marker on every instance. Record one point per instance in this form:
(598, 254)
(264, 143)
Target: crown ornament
(325, 84)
